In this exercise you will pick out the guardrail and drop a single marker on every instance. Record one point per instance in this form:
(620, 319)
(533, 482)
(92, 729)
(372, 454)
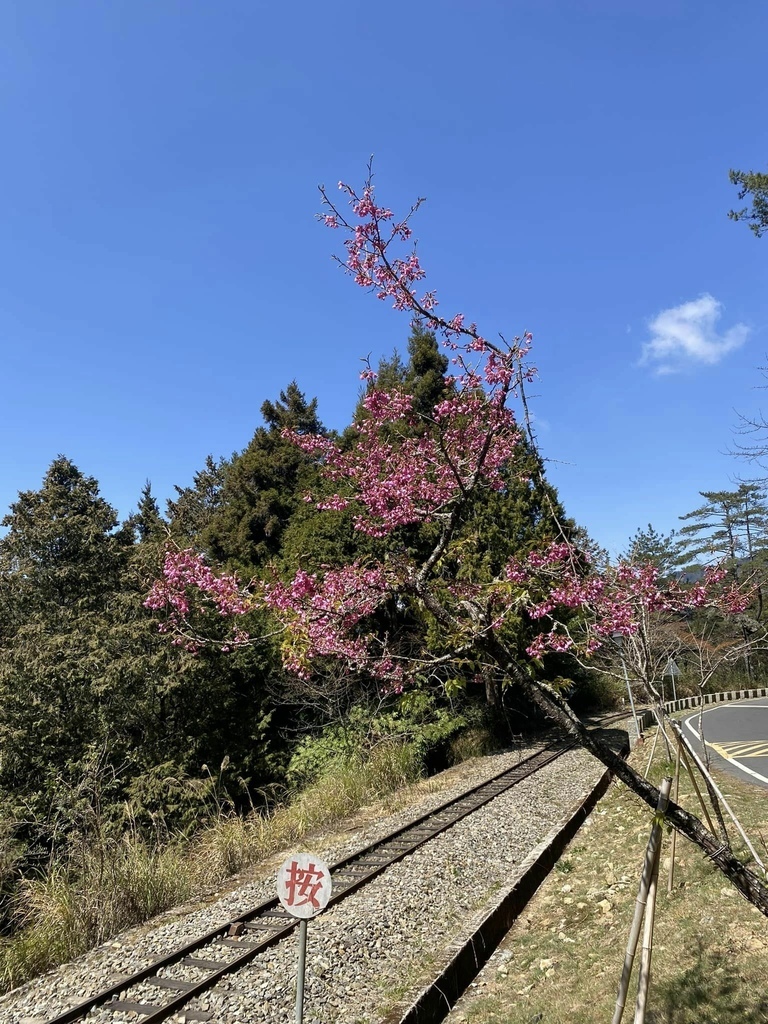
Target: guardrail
(646, 717)
(714, 698)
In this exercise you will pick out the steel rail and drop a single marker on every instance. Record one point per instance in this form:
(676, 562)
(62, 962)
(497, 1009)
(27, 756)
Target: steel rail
(273, 923)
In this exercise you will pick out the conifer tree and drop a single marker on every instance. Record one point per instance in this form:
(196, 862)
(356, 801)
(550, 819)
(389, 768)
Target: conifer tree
(650, 546)
(146, 522)
(755, 185)
(60, 563)
(731, 525)
(423, 376)
(60, 550)
(191, 512)
(88, 685)
(426, 369)
(263, 486)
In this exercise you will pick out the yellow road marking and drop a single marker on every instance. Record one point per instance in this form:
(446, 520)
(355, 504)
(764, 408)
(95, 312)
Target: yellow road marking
(741, 748)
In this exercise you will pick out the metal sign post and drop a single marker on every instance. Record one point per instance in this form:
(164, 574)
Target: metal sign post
(673, 672)
(303, 887)
(302, 971)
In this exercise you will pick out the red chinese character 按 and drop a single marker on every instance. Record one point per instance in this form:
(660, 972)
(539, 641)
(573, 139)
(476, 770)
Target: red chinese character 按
(301, 887)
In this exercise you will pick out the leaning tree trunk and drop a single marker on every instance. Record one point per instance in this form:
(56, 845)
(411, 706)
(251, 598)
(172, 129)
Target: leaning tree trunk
(556, 709)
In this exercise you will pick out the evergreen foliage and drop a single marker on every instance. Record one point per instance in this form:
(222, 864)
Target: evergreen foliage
(731, 525)
(195, 506)
(97, 708)
(262, 487)
(651, 546)
(146, 522)
(755, 185)
(59, 564)
(423, 376)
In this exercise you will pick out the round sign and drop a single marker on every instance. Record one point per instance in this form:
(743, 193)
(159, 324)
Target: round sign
(304, 884)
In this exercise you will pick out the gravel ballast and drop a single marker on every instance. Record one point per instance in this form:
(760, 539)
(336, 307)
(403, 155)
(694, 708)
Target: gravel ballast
(365, 953)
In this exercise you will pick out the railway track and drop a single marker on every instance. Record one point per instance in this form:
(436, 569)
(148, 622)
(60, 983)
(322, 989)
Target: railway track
(163, 987)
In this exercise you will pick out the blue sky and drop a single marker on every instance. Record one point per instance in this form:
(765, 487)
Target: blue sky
(161, 271)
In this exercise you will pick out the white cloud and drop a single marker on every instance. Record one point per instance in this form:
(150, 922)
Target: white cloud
(686, 336)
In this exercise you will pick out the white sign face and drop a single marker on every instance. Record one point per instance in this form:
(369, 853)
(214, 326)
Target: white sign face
(304, 885)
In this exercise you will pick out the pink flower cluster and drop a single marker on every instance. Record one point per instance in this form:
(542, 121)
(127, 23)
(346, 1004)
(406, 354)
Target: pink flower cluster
(186, 583)
(611, 603)
(324, 618)
(407, 469)
(373, 262)
(398, 475)
(366, 245)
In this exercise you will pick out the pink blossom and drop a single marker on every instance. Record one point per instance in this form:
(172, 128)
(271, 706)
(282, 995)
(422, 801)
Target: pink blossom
(186, 579)
(411, 468)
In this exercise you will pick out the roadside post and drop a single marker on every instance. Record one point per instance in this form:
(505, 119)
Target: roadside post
(303, 887)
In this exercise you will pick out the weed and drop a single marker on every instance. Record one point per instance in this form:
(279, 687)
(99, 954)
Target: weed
(104, 887)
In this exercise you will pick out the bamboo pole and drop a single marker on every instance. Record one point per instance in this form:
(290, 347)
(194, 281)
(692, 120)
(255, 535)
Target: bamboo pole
(712, 791)
(660, 721)
(722, 800)
(671, 878)
(650, 759)
(644, 977)
(692, 775)
(651, 856)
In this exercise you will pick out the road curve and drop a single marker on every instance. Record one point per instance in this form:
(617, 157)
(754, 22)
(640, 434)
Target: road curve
(736, 736)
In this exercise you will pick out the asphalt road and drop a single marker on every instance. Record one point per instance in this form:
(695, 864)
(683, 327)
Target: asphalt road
(737, 738)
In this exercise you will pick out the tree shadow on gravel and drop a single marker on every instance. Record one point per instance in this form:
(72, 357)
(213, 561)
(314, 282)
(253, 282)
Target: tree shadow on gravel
(617, 739)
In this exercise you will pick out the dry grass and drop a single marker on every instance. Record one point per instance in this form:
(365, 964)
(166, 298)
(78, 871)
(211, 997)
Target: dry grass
(63, 914)
(103, 891)
(234, 843)
(562, 961)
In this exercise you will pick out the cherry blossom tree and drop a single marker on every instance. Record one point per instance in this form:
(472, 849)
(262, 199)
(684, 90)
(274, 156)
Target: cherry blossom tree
(415, 470)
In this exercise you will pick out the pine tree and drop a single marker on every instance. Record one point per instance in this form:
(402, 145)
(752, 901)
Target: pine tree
(60, 549)
(423, 376)
(263, 486)
(755, 185)
(732, 525)
(426, 370)
(146, 522)
(192, 511)
(88, 685)
(650, 546)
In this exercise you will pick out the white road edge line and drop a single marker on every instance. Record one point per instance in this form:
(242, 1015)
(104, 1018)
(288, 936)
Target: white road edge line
(733, 760)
